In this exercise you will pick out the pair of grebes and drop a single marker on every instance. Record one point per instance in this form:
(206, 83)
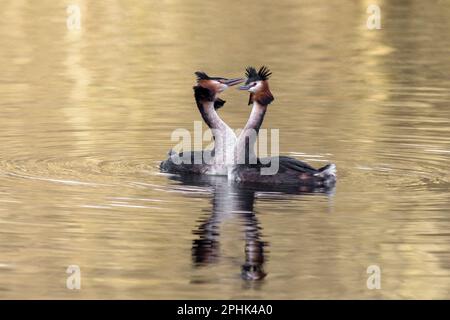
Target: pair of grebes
(233, 156)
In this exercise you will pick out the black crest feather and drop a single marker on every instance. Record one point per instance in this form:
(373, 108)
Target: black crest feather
(201, 76)
(204, 94)
(252, 75)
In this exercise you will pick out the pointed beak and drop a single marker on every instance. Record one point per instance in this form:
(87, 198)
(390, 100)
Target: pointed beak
(232, 82)
(246, 87)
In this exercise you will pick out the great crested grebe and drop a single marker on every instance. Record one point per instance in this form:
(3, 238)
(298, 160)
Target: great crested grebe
(206, 94)
(290, 170)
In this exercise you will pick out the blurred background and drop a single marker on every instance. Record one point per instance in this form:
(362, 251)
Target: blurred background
(86, 116)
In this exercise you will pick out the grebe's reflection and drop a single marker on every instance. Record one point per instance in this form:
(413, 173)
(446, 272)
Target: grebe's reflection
(236, 201)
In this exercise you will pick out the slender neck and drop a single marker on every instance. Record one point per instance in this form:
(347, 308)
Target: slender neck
(256, 117)
(224, 137)
(245, 147)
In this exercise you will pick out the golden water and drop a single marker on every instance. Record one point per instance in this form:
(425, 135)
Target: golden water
(86, 117)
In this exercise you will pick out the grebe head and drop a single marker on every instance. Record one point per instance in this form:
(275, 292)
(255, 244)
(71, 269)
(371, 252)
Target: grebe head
(208, 88)
(258, 86)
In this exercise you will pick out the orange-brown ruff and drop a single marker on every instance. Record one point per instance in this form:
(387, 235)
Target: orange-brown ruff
(206, 96)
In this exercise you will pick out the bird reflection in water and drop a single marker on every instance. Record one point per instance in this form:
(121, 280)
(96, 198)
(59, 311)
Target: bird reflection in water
(232, 200)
